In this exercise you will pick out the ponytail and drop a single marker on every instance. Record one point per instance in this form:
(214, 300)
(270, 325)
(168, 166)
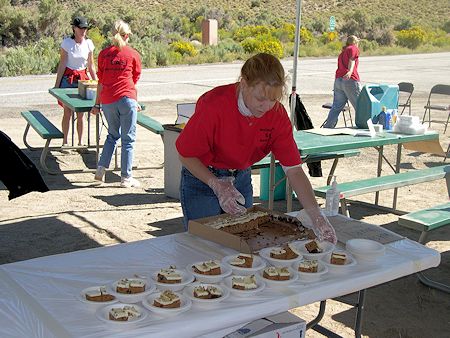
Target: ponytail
(120, 32)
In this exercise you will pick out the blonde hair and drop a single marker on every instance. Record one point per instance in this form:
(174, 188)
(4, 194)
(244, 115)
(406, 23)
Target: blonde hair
(352, 40)
(120, 32)
(267, 69)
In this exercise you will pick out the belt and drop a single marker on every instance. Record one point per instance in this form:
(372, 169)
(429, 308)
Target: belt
(226, 172)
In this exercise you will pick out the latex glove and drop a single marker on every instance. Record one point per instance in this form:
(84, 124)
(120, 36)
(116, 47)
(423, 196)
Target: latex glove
(322, 228)
(230, 199)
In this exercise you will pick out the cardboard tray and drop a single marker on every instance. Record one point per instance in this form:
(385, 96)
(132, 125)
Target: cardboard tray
(267, 235)
(83, 84)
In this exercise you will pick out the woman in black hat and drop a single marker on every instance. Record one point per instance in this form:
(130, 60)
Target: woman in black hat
(76, 59)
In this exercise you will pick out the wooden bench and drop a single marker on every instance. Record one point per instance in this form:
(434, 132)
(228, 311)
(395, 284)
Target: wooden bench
(45, 129)
(425, 221)
(355, 188)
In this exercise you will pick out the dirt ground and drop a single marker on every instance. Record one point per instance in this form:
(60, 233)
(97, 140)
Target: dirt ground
(76, 214)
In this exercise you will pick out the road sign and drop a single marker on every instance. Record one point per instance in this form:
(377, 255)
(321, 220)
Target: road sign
(332, 23)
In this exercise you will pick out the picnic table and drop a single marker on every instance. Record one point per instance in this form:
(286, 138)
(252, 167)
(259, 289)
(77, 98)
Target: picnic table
(310, 144)
(40, 297)
(71, 98)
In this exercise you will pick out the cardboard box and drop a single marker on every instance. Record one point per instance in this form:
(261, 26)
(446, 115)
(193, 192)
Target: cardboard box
(263, 238)
(83, 84)
(282, 325)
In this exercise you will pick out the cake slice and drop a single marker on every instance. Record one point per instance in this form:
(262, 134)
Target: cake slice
(242, 260)
(209, 292)
(99, 295)
(278, 253)
(308, 266)
(244, 282)
(277, 273)
(123, 314)
(168, 300)
(207, 268)
(313, 247)
(338, 258)
(288, 251)
(169, 276)
(130, 286)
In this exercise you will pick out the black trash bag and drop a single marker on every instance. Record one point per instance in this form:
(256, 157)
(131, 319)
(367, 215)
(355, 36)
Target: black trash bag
(302, 122)
(18, 173)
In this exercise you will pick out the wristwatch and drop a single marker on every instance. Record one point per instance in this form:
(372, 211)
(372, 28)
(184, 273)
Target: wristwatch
(97, 105)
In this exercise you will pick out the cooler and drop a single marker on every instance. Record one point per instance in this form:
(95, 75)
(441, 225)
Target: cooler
(371, 99)
(264, 177)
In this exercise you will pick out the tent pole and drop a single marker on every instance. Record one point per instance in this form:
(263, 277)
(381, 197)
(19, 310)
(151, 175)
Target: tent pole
(296, 48)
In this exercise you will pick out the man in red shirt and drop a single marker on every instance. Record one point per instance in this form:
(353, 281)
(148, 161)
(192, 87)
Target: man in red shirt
(346, 83)
(233, 127)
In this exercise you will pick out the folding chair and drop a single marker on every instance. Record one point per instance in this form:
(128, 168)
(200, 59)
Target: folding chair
(436, 94)
(344, 110)
(404, 100)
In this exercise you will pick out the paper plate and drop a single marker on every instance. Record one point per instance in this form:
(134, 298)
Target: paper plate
(103, 314)
(265, 253)
(365, 250)
(258, 264)
(334, 268)
(132, 297)
(186, 304)
(225, 269)
(189, 292)
(312, 276)
(82, 296)
(244, 293)
(186, 278)
(279, 283)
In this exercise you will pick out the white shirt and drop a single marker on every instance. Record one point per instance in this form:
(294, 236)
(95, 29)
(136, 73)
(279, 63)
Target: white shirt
(77, 53)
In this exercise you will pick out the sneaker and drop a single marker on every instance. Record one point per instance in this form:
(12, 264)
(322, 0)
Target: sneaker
(129, 182)
(100, 173)
(65, 149)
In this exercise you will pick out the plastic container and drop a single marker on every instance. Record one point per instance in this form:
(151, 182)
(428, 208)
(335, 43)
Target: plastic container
(332, 199)
(370, 101)
(280, 190)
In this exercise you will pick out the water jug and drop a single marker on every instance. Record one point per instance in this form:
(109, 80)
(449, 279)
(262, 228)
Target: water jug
(371, 99)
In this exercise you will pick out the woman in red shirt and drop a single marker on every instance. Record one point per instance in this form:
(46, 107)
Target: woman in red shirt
(119, 69)
(233, 127)
(346, 83)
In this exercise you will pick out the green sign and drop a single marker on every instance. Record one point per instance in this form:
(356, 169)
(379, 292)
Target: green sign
(332, 23)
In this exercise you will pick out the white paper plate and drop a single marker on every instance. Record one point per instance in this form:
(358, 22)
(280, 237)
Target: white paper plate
(103, 314)
(132, 297)
(326, 246)
(186, 304)
(265, 253)
(365, 250)
(82, 296)
(225, 269)
(334, 268)
(241, 293)
(186, 278)
(258, 264)
(312, 276)
(279, 283)
(189, 292)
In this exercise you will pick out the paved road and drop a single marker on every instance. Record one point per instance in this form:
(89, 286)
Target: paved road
(315, 76)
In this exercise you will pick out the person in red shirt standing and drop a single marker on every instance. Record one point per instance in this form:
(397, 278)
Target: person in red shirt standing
(119, 69)
(346, 84)
(233, 127)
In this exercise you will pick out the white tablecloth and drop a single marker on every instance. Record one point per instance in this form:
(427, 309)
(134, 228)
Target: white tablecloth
(38, 296)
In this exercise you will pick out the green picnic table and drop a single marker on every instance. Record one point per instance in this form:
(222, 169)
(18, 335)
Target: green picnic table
(311, 144)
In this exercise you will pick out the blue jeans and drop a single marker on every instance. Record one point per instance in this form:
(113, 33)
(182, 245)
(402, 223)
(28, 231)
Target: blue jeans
(65, 83)
(121, 117)
(198, 200)
(343, 90)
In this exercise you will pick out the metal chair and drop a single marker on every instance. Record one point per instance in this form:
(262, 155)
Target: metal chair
(408, 88)
(436, 94)
(344, 110)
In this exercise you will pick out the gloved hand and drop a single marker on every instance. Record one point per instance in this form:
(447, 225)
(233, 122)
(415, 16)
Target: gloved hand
(321, 226)
(228, 195)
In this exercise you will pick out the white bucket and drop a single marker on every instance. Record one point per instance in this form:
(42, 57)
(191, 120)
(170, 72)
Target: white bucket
(91, 93)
